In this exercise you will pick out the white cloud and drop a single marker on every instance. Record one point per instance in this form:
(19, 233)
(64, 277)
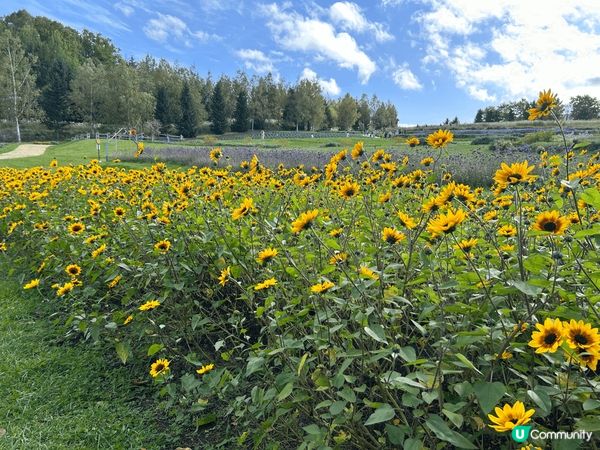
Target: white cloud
(315, 37)
(127, 10)
(406, 79)
(349, 16)
(329, 87)
(166, 27)
(256, 60)
(499, 50)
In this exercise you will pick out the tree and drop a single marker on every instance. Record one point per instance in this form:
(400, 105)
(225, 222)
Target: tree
(347, 110)
(241, 114)
(311, 104)
(55, 96)
(17, 81)
(218, 113)
(161, 110)
(584, 107)
(331, 114)
(88, 90)
(291, 114)
(364, 114)
(188, 122)
(153, 128)
(479, 116)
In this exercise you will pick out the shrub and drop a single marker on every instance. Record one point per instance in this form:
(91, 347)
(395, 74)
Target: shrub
(538, 136)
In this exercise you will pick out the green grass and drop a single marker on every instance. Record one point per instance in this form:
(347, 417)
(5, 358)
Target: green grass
(7, 148)
(65, 396)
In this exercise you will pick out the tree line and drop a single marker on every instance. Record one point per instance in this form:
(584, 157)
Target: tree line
(57, 75)
(579, 107)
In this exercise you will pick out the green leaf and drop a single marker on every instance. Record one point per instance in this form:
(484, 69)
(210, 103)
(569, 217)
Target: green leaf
(337, 407)
(408, 354)
(591, 404)
(413, 444)
(394, 433)
(588, 424)
(436, 424)
(122, 351)
(155, 348)
(206, 419)
(541, 399)
(488, 394)
(456, 419)
(592, 197)
(462, 358)
(526, 288)
(301, 363)
(286, 391)
(376, 332)
(382, 414)
(255, 363)
(589, 232)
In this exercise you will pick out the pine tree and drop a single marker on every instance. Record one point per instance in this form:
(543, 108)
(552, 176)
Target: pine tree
(55, 96)
(242, 113)
(188, 121)
(161, 111)
(479, 116)
(218, 115)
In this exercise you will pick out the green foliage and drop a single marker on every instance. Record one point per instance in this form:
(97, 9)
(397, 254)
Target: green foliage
(55, 96)
(538, 136)
(218, 117)
(188, 121)
(242, 114)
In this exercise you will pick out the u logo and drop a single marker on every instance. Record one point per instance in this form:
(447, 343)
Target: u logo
(520, 433)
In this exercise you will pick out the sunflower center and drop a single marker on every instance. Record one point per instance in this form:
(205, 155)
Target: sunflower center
(550, 338)
(160, 367)
(549, 226)
(580, 339)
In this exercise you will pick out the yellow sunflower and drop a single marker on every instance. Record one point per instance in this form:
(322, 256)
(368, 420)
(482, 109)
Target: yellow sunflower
(588, 357)
(159, 367)
(406, 220)
(392, 236)
(514, 174)
(304, 221)
(244, 209)
(551, 222)
(466, 245)
(508, 417)
(357, 150)
(440, 138)
(368, 273)
(548, 337)
(265, 284)
(320, 288)
(349, 189)
(33, 283)
(427, 161)
(162, 246)
(224, 276)
(76, 228)
(73, 270)
(545, 103)
(266, 255)
(65, 289)
(150, 304)
(507, 230)
(446, 223)
(580, 335)
(205, 369)
(413, 141)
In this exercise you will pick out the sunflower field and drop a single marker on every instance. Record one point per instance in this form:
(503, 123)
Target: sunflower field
(356, 305)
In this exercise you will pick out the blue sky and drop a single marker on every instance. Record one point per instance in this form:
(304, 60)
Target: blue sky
(432, 58)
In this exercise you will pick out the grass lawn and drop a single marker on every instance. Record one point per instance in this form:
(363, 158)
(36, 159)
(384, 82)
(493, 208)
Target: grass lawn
(65, 396)
(7, 148)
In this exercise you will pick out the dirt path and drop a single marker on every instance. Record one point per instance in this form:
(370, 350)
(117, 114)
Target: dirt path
(25, 150)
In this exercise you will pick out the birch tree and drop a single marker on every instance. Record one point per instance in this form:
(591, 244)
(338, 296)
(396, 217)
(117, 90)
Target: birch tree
(18, 92)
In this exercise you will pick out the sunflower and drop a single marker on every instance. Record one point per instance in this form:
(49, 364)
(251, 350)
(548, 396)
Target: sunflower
(140, 149)
(589, 357)
(551, 222)
(412, 141)
(368, 273)
(548, 337)
(266, 255)
(304, 221)
(514, 174)
(580, 335)
(224, 276)
(466, 245)
(33, 283)
(150, 304)
(349, 189)
(73, 270)
(336, 232)
(65, 289)
(490, 215)
(76, 228)
(385, 197)
(446, 223)
(99, 251)
(338, 258)
(216, 154)
(427, 161)
(357, 150)
(265, 284)
(440, 138)
(320, 288)
(128, 320)
(205, 369)
(159, 367)
(244, 209)
(114, 281)
(119, 212)
(508, 417)
(545, 103)
(392, 236)
(406, 220)
(507, 230)
(162, 246)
